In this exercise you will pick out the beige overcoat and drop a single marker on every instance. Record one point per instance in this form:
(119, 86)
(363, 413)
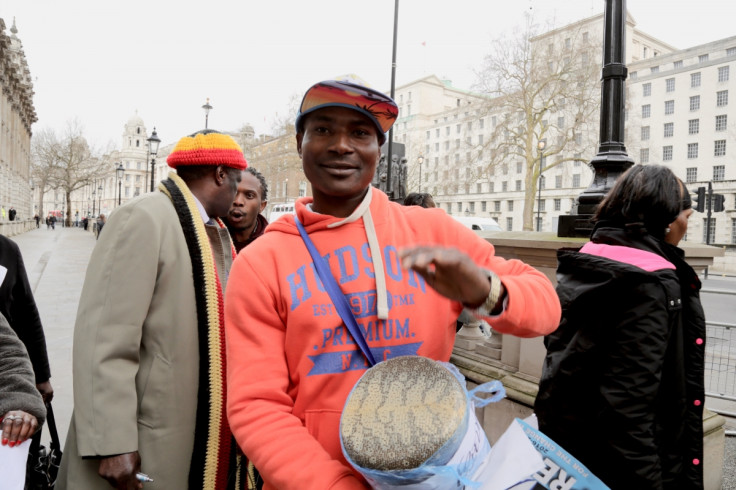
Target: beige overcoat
(136, 353)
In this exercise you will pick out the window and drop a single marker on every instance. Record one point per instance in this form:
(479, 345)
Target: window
(719, 148)
(646, 111)
(558, 181)
(303, 188)
(693, 126)
(542, 182)
(447, 130)
(731, 52)
(677, 64)
(691, 175)
(437, 132)
(576, 180)
(542, 205)
(702, 58)
(480, 139)
(429, 134)
(719, 172)
(655, 69)
(669, 106)
(695, 80)
(518, 185)
(510, 205)
(457, 129)
(644, 133)
(670, 84)
(481, 123)
(567, 43)
(483, 206)
(558, 204)
(504, 186)
(561, 122)
(579, 138)
(585, 37)
(723, 74)
(669, 130)
(692, 150)
(447, 145)
(408, 111)
(644, 155)
(479, 189)
(733, 230)
(666, 153)
(709, 237)
(721, 122)
(497, 206)
(722, 98)
(647, 87)
(694, 102)
(509, 224)
(459, 207)
(634, 75)
(519, 167)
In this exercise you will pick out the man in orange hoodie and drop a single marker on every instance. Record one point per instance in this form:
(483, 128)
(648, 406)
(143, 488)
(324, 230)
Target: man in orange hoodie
(407, 273)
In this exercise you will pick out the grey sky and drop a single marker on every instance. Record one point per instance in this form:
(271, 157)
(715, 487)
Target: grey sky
(102, 61)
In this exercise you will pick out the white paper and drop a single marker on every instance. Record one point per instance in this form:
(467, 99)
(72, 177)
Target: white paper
(3, 272)
(13, 466)
(513, 459)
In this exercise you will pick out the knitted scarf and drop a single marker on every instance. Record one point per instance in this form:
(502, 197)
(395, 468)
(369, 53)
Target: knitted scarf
(215, 464)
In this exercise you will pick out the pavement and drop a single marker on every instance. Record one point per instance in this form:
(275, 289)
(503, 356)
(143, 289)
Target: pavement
(56, 262)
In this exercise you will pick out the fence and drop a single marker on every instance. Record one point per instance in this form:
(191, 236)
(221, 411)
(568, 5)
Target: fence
(720, 359)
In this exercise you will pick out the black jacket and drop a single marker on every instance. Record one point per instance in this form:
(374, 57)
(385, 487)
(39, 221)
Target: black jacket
(19, 308)
(622, 385)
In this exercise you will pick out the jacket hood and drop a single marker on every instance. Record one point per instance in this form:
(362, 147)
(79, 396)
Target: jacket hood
(314, 221)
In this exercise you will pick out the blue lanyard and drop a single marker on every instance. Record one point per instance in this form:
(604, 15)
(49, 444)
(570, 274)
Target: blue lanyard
(336, 295)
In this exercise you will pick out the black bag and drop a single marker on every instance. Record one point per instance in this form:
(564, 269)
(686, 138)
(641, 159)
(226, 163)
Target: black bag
(43, 463)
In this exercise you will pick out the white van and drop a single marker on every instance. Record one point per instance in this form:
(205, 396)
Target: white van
(478, 224)
(278, 210)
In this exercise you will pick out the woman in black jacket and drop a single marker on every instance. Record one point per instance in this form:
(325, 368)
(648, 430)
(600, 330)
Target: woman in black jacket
(622, 385)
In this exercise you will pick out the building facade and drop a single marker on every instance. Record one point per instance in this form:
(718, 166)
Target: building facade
(681, 116)
(17, 115)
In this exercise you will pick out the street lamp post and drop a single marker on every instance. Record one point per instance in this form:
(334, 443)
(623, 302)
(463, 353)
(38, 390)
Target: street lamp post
(420, 160)
(540, 146)
(612, 159)
(119, 172)
(207, 108)
(94, 201)
(99, 191)
(153, 143)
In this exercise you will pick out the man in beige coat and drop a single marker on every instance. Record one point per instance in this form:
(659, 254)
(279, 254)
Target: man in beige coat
(148, 361)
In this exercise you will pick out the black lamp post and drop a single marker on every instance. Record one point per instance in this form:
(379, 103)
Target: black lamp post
(612, 159)
(420, 160)
(119, 172)
(207, 108)
(540, 146)
(99, 191)
(153, 143)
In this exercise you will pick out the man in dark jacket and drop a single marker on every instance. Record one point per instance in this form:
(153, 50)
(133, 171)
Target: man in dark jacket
(19, 308)
(244, 220)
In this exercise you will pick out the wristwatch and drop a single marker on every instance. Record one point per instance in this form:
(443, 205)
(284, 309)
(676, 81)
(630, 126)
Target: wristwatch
(486, 309)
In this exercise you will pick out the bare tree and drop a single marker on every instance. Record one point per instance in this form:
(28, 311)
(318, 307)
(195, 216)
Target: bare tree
(66, 163)
(284, 124)
(540, 89)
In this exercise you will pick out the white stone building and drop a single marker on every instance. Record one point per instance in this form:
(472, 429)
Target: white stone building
(681, 116)
(680, 90)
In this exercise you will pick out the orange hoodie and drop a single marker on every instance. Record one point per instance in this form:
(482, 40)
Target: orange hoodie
(292, 362)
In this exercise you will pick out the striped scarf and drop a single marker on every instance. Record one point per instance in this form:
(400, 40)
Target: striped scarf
(215, 464)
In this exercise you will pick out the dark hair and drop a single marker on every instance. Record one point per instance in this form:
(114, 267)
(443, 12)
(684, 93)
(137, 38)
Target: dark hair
(417, 199)
(646, 195)
(261, 180)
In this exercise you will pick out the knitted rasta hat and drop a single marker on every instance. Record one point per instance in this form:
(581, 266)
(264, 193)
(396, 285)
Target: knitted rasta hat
(207, 147)
(379, 108)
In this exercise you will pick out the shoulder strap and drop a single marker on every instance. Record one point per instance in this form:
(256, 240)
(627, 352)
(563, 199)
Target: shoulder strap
(51, 423)
(336, 295)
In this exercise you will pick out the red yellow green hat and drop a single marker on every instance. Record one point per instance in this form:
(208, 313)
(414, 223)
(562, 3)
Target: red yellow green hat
(378, 107)
(207, 147)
